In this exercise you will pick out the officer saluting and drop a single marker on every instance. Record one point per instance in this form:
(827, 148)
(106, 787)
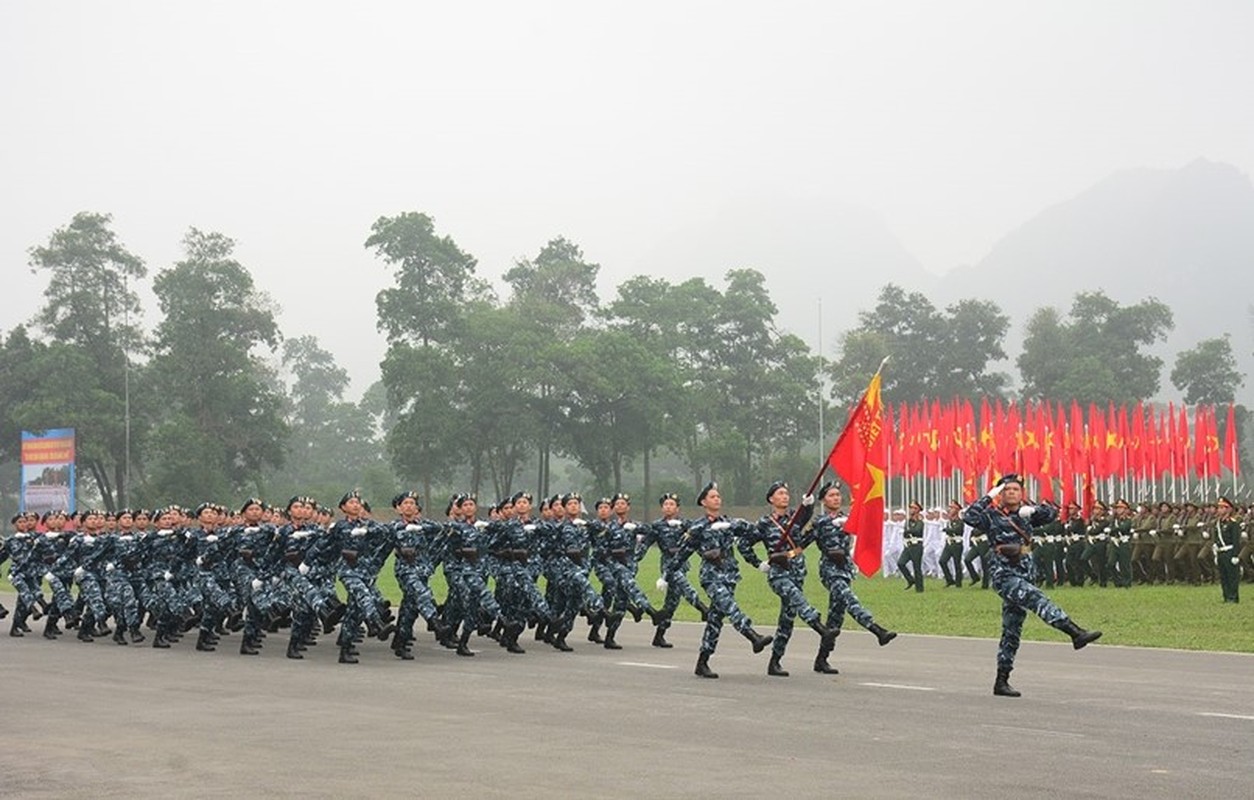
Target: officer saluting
(1010, 526)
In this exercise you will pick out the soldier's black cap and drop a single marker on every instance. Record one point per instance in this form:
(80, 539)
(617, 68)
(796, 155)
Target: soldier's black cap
(124, 512)
(824, 489)
(16, 517)
(453, 502)
(520, 495)
(668, 496)
(705, 490)
(56, 512)
(571, 496)
(773, 488)
(203, 507)
(555, 500)
(403, 496)
(352, 494)
(252, 501)
(1010, 477)
(304, 500)
(465, 497)
(614, 498)
(604, 501)
(1225, 501)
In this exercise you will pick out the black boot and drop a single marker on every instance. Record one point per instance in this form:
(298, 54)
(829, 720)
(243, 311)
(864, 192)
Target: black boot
(703, 667)
(18, 630)
(463, 648)
(825, 633)
(1002, 687)
(659, 638)
(610, 644)
(594, 633)
(884, 636)
(246, 648)
(512, 632)
(559, 642)
(759, 641)
(293, 648)
(1079, 636)
(51, 631)
(541, 630)
(84, 634)
(40, 609)
(136, 635)
(347, 656)
(204, 642)
(774, 669)
(821, 665)
(119, 635)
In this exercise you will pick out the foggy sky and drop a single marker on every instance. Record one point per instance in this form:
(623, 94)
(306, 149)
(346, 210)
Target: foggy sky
(291, 126)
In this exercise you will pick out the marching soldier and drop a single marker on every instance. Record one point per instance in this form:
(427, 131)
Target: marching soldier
(667, 533)
(1011, 526)
(951, 554)
(911, 561)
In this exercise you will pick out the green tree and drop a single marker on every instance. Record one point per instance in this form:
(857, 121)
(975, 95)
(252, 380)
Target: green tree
(90, 308)
(1208, 373)
(1097, 354)
(222, 426)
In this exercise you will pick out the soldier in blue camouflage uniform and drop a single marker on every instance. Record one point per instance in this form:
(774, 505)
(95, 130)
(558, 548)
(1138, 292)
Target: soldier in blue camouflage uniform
(251, 573)
(47, 556)
(121, 574)
(1009, 527)
(618, 547)
(465, 543)
(23, 572)
(210, 551)
(712, 537)
(785, 568)
(84, 558)
(356, 536)
(163, 554)
(419, 550)
(836, 571)
(521, 601)
(568, 567)
(667, 532)
(298, 540)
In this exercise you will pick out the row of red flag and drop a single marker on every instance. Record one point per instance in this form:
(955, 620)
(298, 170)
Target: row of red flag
(1045, 441)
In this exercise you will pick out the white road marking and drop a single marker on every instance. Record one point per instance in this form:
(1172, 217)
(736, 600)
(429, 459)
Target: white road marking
(1041, 731)
(642, 664)
(899, 686)
(1225, 716)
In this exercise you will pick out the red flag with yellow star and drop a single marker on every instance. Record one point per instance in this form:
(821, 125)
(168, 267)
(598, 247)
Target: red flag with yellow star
(860, 457)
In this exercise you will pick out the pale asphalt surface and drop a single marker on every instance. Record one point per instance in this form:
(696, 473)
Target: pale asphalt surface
(915, 718)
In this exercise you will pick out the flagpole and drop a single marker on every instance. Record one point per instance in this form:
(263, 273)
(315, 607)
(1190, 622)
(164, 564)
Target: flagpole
(818, 476)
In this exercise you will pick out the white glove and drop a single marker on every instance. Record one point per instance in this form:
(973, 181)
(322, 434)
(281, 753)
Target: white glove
(674, 523)
(303, 568)
(412, 527)
(529, 527)
(79, 572)
(48, 576)
(213, 537)
(764, 566)
(125, 538)
(1026, 512)
(807, 500)
(90, 541)
(109, 567)
(188, 535)
(630, 526)
(275, 580)
(252, 529)
(300, 534)
(996, 490)
(1106, 529)
(358, 531)
(164, 532)
(50, 534)
(661, 584)
(579, 521)
(1179, 532)
(481, 524)
(199, 561)
(1235, 561)
(1175, 527)
(1136, 537)
(1153, 533)
(1205, 534)
(840, 521)
(257, 584)
(1245, 535)
(720, 526)
(169, 576)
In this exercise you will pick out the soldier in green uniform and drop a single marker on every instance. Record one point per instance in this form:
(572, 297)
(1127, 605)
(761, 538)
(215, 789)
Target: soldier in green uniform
(1206, 551)
(1142, 543)
(1049, 540)
(1094, 555)
(912, 550)
(1188, 542)
(951, 553)
(1119, 548)
(1162, 559)
(977, 551)
(1245, 558)
(1227, 539)
(1077, 540)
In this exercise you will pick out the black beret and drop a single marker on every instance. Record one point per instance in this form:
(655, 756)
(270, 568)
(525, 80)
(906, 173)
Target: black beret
(668, 496)
(773, 488)
(709, 487)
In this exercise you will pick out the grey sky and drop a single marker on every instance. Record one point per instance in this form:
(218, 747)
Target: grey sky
(291, 126)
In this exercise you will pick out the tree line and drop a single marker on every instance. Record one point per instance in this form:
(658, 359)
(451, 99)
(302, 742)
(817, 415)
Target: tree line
(659, 387)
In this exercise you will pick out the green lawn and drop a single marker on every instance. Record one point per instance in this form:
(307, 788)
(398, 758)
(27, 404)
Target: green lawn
(1186, 617)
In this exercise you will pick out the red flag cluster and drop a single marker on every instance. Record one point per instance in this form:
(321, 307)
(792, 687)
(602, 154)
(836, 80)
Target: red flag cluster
(1053, 442)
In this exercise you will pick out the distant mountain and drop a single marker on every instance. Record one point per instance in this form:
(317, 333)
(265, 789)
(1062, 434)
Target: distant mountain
(1183, 236)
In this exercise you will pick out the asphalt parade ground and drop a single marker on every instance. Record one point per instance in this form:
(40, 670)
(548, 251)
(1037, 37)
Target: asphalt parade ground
(915, 718)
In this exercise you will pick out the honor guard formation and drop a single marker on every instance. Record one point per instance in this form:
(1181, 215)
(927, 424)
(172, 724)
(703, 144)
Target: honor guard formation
(156, 576)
